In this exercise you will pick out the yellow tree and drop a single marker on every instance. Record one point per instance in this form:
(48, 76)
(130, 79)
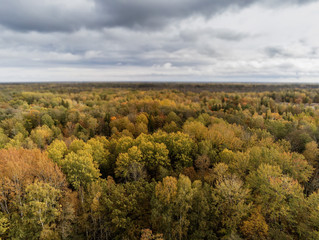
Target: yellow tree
(171, 206)
(255, 227)
(57, 150)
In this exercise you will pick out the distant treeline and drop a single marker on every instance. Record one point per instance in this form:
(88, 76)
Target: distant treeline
(194, 87)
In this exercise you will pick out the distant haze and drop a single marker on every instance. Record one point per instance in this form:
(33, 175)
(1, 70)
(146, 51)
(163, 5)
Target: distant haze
(167, 40)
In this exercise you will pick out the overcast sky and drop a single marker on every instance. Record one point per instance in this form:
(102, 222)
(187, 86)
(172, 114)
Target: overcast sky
(159, 40)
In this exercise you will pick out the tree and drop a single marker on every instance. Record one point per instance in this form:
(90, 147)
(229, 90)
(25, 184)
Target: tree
(47, 120)
(183, 203)
(32, 120)
(222, 135)
(141, 124)
(298, 140)
(230, 203)
(311, 153)
(79, 145)
(172, 202)
(20, 167)
(122, 124)
(171, 127)
(42, 136)
(23, 175)
(172, 117)
(255, 227)
(238, 162)
(79, 169)
(57, 150)
(162, 209)
(4, 224)
(281, 198)
(3, 138)
(313, 217)
(122, 210)
(129, 165)
(180, 146)
(40, 210)
(147, 234)
(99, 150)
(202, 220)
(196, 130)
(123, 144)
(292, 164)
(154, 155)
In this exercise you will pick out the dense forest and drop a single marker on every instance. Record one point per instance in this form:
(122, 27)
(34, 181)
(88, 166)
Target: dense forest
(94, 161)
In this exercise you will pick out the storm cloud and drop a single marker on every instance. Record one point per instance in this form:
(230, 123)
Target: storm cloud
(177, 40)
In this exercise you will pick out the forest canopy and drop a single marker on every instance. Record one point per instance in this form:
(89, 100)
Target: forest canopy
(148, 162)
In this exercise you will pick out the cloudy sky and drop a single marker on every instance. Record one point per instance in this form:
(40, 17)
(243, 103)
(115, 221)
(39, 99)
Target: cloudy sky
(166, 40)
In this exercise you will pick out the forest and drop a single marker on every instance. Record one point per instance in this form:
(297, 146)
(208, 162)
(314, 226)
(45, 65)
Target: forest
(152, 162)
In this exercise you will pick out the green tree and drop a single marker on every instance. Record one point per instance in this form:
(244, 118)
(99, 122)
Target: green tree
(281, 198)
(129, 165)
(162, 206)
(100, 152)
(230, 203)
(42, 136)
(180, 146)
(171, 205)
(4, 224)
(311, 153)
(196, 130)
(3, 138)
(79, 145)
(313, 217)
(147, 234)
(154, 155)
(40, 210)
(79, 169)
(202, 220)
(183, 205)
(46, 119)
(57, 150)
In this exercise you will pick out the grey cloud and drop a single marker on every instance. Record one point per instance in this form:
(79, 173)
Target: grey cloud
(231, 36)
(154, 14)
(286, 66)
(294, 51)
(150, 14)
(211, 33)
(276, 52)
(314, 51)
(103, 48)
(52, 16)
(44, 16)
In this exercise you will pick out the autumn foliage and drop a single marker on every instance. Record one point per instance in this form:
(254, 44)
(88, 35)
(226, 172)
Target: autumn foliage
(174, 162)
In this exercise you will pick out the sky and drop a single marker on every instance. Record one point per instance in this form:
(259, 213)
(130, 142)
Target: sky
(166, 40)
